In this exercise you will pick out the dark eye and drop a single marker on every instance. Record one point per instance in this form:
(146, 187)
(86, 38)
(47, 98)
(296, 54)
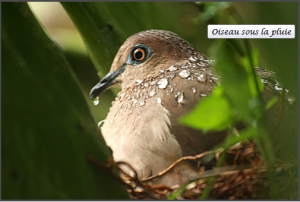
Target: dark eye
(139, 54)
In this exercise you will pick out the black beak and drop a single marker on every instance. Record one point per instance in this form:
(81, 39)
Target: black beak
(106, 82)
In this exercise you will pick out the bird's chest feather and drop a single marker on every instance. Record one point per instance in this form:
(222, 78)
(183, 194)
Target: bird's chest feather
(137, 129)
(138, 126)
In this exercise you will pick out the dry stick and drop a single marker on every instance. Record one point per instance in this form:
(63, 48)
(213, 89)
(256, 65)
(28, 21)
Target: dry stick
(229, 170)
(176, 162)
(279, 121)
(281, 112)
(236, 157)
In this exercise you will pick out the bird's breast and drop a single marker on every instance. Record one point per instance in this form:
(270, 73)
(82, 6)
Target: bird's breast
(138, 126)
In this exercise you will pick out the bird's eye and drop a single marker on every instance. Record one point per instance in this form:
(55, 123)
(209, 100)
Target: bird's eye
(139, 54)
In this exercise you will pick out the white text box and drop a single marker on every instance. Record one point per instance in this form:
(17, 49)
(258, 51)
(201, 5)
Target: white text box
(251, 31)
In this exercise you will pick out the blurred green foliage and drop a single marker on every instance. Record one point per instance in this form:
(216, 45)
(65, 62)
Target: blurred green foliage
(48, 131)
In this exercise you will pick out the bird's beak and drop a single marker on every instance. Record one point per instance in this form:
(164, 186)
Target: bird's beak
(106, 82)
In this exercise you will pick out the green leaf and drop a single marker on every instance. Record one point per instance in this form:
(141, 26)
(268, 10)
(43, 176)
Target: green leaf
(271, 103)
(235, 80)
(47, 129)
(212, 113)
(101, 41)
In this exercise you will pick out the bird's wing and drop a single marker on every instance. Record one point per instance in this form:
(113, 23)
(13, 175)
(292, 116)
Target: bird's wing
(186, 93)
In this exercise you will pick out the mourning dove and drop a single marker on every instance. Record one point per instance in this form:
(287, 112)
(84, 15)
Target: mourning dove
(162, 77)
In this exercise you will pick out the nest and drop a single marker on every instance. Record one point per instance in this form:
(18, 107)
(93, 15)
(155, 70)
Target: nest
(244, 176)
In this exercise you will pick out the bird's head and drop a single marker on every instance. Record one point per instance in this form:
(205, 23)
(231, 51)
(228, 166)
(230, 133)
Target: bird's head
(143, 55)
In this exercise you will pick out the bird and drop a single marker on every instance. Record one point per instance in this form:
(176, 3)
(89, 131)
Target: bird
(162, 77)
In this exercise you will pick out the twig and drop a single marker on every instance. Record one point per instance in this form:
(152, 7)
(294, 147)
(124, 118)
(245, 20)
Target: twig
(176, 162)
(281, 112)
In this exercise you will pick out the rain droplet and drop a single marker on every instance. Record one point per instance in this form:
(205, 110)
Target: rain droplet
(135, 101)
(162, 83)
(161, 71)
(100, 123)
(201, 78)
(193, 59)
(201, 64)
(263, 81)
(130, 111)
(142, 103)
(158, 100)
(152, 93)
(153, 83)
(216, 79)
(121, 96)
(146, 84)
(203, 95)
(184, 74)
(184, 66)
(291, 100)
(180, 97)
(172, 68)
(194, 90)
(277, 87)
(95, 101)
(138, 82)
(200, 57)
(132, 127)
(210, 62)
